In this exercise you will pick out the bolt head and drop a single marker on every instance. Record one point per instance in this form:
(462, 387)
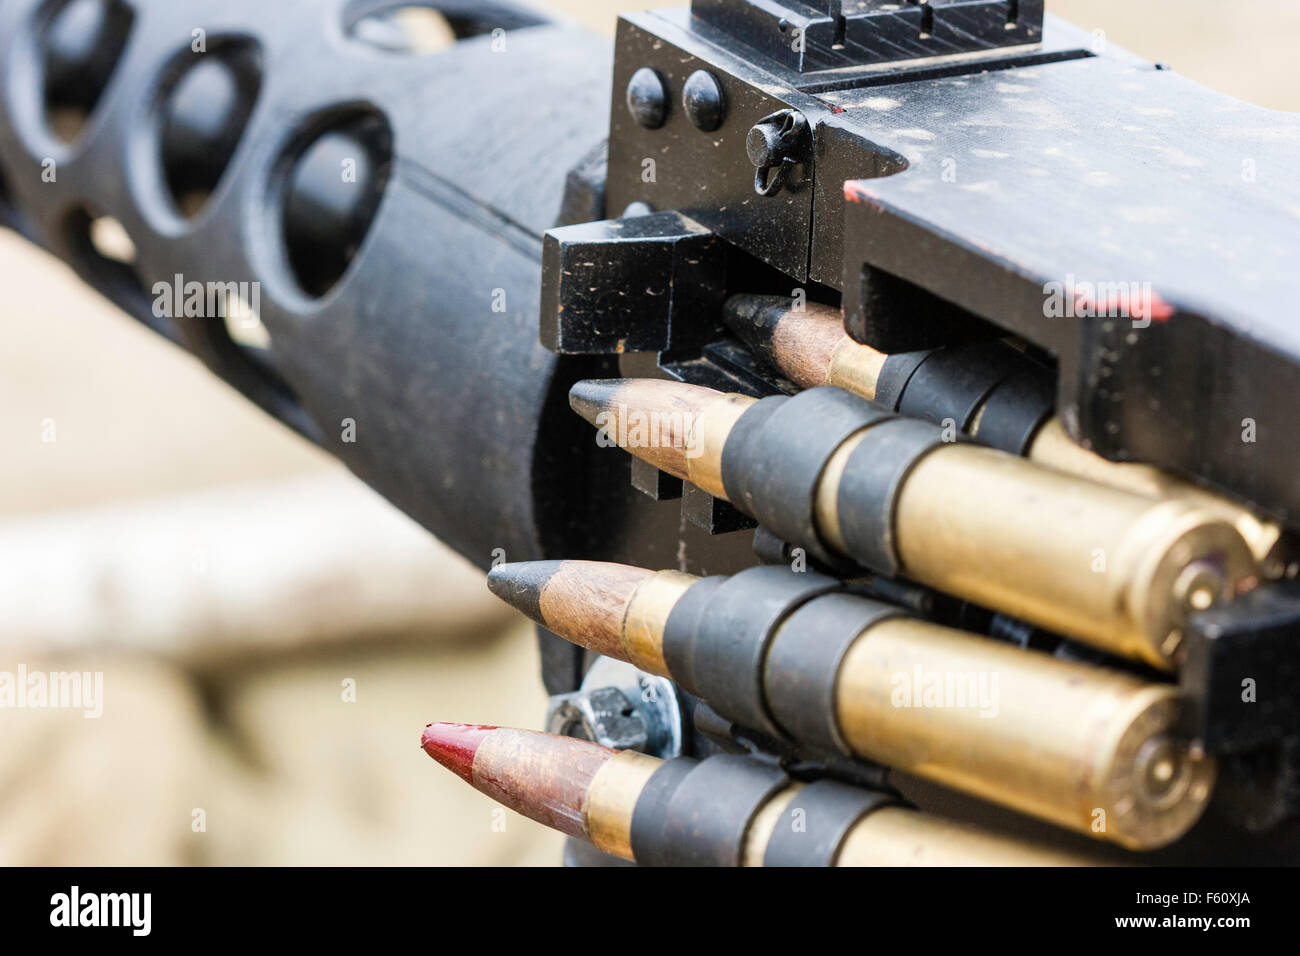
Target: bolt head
(647, 98)
(604, 716)
(704, 101)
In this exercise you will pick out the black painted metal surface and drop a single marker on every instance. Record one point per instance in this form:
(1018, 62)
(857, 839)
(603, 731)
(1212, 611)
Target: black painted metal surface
(644, 284)
(429, 342)
(1169, 210)
(826, 34)
(1139, 228)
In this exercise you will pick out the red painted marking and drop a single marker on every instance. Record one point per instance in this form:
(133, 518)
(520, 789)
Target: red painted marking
(854, 191)
(454, 746)
(1122, 304)
(1161, 311)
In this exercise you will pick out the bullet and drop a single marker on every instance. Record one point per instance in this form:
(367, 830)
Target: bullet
(842, 477)
(723, 811)
(795, 655)
(810, 349)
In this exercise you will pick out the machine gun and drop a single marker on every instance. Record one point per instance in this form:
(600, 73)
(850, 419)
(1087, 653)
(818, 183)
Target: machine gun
(1044, 240)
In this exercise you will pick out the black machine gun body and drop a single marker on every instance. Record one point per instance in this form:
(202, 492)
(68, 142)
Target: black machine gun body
(946, 173)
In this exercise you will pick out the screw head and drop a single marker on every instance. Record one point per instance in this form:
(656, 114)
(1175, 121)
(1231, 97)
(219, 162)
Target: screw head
(705, 103)
(763, 144)
(777, 137)
(647, 99)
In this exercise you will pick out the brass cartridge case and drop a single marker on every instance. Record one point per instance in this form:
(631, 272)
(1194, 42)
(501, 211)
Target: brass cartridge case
(1087, 748)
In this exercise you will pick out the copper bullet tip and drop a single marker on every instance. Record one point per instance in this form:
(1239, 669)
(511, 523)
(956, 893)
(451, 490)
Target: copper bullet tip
(543, 776)
(754, 318)
(582, 601)
(799, 344)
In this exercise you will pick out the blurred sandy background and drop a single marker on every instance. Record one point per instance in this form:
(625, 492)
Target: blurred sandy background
(283, 769)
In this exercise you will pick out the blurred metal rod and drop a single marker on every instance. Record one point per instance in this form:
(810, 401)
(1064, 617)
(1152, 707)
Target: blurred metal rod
(251, 568)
